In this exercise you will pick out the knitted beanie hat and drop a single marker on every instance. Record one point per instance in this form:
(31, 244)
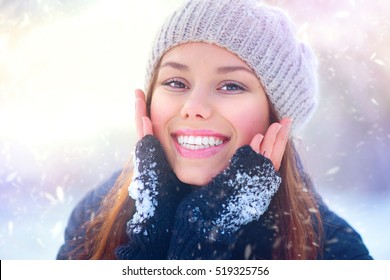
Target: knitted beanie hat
(262, 36)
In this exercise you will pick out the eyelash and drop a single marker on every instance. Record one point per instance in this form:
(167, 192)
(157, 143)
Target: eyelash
(170, 83)
(177, 84)
(238, 86)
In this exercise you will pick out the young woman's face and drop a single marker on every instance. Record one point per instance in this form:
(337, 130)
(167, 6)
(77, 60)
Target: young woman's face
(206, 104)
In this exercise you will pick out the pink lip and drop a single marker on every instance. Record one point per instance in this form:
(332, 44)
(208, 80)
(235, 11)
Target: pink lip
(201, 153)
(199, 132)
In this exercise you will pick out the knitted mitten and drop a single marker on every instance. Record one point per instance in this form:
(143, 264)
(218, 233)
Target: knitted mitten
(208, 219)
(157, 192)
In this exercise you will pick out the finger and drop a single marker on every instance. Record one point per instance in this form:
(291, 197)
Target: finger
(138, 118)
(280, 142)
(140, 111)
(267, 144)
(147, 126)
(140, 94)
(256, 141)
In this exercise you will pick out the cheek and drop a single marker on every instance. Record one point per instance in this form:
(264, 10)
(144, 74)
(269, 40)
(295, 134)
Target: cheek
(161, 111)
(248, 123)
(157, 116)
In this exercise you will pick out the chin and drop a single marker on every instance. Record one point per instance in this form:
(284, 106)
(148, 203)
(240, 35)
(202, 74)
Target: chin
(194, 179)
(199, 174)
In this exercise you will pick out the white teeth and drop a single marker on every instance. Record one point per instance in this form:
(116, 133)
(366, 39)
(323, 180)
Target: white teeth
(198, 142)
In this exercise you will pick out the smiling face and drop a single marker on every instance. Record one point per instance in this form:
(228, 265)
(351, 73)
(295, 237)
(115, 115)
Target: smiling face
(206, 104)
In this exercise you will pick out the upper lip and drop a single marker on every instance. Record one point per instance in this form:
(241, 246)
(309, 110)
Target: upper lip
(199, 132)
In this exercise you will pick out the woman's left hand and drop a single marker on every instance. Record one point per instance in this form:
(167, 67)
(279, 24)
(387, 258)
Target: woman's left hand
(273, 144)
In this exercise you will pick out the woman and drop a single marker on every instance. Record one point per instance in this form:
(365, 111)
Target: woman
(215, 173)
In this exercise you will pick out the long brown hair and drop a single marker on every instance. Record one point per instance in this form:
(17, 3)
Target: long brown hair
(297, 218)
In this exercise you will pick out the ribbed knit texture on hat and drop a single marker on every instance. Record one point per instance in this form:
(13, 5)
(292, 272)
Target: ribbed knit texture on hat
(261, 35)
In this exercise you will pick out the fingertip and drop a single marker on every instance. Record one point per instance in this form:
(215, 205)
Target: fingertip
(287, 122)
(275, 127)
(139, 93)
(256, 141)
(138, 103)
(261, 137)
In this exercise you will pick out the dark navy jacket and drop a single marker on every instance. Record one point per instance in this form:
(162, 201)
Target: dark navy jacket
(342, 242)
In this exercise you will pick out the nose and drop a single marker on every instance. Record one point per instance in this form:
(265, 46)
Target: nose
(197, 105)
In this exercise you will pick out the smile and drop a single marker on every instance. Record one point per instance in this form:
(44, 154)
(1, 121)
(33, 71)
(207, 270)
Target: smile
(198, 142)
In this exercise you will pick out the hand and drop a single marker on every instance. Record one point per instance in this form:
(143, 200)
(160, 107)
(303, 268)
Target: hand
(273, 144)
(236, 197)
(154, 187)
(157, 192)
(142, 121)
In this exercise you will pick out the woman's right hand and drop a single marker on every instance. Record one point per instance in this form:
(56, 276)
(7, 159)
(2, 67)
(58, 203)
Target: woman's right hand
(156, 192)
(142, 121)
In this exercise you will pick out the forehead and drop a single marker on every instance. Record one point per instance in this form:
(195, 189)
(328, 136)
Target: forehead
(201, 52)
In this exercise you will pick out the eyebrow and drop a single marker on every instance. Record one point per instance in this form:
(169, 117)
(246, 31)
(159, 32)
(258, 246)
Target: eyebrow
(220, 70)
(229, 69)
(175, 65)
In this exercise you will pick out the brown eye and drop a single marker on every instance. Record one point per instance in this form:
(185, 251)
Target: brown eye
(176, 84)
(232, 87)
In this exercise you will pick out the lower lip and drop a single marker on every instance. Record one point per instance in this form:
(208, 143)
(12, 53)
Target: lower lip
(200, 153)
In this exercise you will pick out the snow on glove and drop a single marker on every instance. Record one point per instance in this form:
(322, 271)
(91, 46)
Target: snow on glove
(157, 192)
(208, 219)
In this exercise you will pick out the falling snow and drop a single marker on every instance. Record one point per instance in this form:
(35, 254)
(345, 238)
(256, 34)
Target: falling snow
(333, 170)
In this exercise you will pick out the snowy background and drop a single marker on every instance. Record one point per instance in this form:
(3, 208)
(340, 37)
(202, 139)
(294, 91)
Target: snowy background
(67, 73)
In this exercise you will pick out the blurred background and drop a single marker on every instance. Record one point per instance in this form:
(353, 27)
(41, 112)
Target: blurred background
(67, 73)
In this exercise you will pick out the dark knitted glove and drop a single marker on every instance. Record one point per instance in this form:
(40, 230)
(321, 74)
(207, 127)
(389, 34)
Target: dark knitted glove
(207, 220)
(157, 192)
